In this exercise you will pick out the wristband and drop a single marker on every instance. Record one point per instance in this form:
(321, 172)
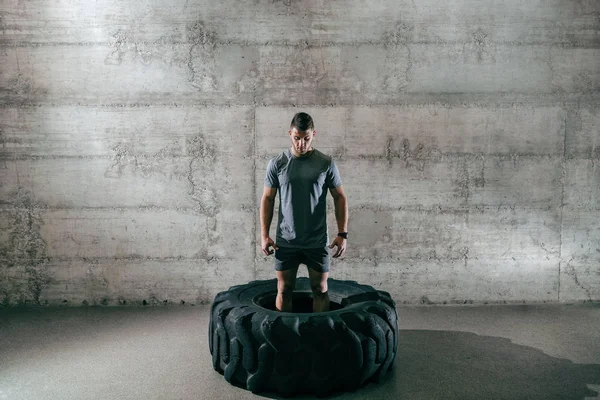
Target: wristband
(343, 234)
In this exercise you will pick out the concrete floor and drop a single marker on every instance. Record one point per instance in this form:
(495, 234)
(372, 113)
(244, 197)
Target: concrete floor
(449, 352)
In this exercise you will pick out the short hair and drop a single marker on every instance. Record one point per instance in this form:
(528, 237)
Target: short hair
(302, 122)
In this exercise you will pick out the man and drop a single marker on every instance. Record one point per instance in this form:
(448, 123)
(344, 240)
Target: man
(302, 175)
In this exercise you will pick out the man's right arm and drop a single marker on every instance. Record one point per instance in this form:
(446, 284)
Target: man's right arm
(267, 203)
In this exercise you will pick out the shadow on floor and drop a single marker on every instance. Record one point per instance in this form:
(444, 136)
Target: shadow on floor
(462, 365)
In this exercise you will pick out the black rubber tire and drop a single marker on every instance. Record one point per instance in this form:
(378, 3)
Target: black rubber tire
(264, 350)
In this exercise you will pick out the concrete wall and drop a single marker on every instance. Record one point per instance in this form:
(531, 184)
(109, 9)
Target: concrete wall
(135, 137)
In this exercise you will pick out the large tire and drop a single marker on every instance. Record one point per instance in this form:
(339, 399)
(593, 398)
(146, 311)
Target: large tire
(264, 350)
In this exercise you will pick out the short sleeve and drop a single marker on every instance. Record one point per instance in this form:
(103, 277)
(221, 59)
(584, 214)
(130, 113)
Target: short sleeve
(333, 178)
(271, 179)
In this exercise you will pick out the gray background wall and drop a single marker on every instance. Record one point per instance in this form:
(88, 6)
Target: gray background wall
(135, 136)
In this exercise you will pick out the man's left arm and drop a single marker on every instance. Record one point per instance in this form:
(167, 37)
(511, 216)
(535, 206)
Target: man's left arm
(341, 216)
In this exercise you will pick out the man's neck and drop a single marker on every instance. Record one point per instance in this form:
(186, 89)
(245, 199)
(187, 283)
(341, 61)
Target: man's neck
(298, 155)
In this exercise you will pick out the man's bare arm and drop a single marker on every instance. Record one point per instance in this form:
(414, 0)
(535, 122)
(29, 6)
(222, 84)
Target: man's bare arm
(341, 208)
(341, 216)
(267, 203)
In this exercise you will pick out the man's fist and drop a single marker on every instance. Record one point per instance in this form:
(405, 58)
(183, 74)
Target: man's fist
(267, 242)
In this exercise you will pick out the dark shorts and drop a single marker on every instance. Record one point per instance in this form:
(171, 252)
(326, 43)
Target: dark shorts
(316, 259)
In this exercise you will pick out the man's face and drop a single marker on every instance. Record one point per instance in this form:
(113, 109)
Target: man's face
(301, 140)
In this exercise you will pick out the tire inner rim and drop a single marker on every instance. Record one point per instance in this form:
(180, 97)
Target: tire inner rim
(301, 302)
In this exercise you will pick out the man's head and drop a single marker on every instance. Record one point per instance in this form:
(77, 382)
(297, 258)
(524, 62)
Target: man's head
(302, 132)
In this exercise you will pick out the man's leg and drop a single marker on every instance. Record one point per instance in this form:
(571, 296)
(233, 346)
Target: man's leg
(317, 261)
(318, 284)
(286, 268)
(286, 282)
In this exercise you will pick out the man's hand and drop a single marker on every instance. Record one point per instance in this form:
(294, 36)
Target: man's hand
(267, 242)
(340, 242)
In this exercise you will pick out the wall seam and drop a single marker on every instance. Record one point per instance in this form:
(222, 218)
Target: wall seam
(254, 190)
(562, 200)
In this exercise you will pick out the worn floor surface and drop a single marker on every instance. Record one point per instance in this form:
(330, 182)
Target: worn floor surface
(447, 352)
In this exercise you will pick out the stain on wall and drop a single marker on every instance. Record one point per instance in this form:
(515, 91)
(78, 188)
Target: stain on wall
(22, 254)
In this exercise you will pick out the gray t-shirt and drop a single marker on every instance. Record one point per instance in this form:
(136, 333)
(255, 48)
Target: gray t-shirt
(302, 184)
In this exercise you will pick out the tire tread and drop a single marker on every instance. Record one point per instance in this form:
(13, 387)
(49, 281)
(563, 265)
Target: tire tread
(261, 351)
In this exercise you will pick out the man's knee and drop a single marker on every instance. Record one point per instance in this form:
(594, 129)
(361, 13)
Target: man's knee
(319, 287)
(285, 288)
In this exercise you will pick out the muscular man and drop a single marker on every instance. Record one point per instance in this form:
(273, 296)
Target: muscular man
(302, 175)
